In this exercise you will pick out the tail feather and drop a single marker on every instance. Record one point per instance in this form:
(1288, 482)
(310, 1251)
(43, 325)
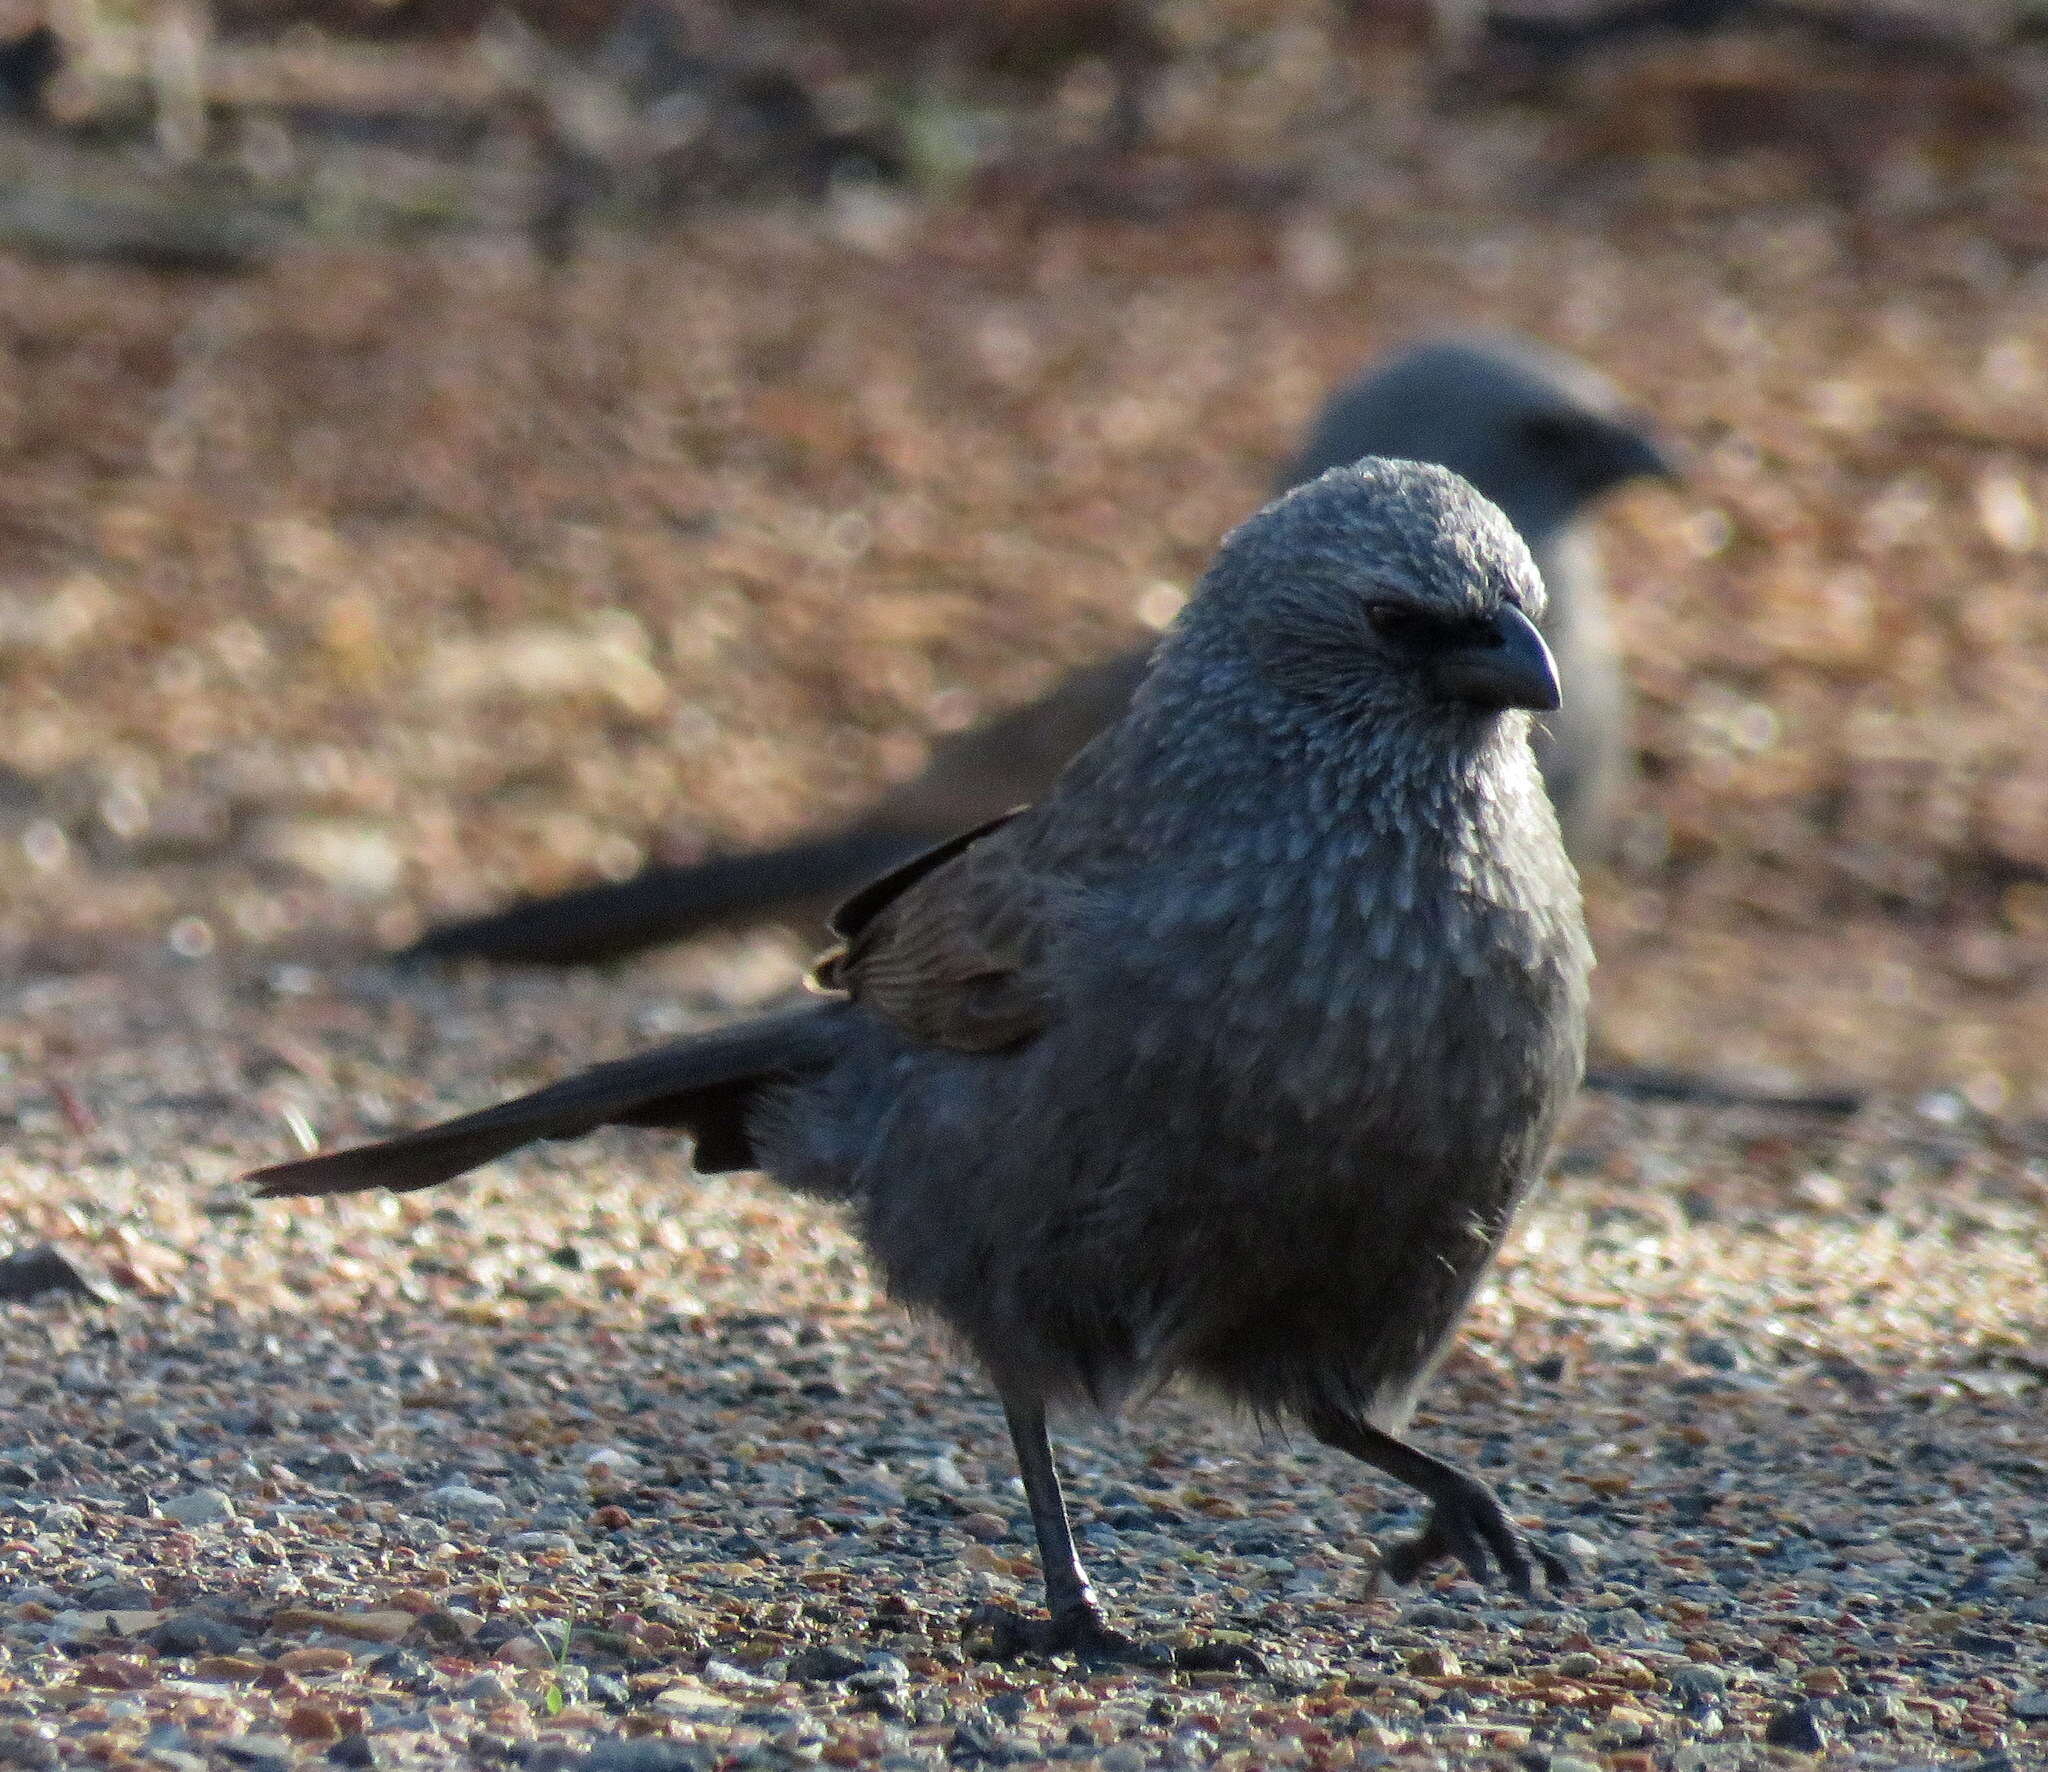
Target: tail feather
(703, 1086)
(596, 924)
(973, 776)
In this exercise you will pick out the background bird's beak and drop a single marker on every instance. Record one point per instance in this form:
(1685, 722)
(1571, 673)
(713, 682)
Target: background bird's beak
(1639, 456)
(1510, 667)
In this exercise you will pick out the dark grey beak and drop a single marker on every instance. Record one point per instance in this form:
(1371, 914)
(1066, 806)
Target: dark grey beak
(1638, 456)
(1507, 667)
(1593, 453)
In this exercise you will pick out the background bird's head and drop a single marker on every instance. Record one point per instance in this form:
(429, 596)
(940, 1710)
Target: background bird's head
(1387, 592)
(1538, 432)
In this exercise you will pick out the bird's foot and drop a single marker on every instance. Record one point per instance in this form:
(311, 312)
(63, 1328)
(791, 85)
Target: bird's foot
(994, 1633)
(1469, 1523)
(1216, 1656)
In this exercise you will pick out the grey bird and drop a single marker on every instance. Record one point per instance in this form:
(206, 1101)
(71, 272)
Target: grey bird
(1229, 1061)
(1538, 432)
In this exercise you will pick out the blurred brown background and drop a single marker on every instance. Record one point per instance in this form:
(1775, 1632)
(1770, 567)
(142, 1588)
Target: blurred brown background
(443, 456)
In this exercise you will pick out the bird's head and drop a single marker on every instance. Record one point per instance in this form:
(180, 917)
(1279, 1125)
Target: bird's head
(1537, 431)
(1385, 591)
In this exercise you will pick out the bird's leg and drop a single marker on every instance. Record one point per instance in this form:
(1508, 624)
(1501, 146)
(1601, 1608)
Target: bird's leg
(1076, 1625)
(1466, 1519)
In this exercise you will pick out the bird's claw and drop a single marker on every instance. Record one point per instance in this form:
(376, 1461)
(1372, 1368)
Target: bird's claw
(1083, 1633)
(1215, 1657)
(1470, 1525)
(994, 1633)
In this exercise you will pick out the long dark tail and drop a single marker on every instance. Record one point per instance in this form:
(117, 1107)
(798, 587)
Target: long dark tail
(703, 1086)
(596, 924)
(1682, 1088)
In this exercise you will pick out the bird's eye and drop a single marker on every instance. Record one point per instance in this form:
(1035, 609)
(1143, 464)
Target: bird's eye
(1403, 624)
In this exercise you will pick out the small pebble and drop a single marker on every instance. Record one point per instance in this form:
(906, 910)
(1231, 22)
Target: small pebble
(197, 1507)
(460, 1501)
(527, 1652)
(649, 1756)
(1797, 1726)
(824, 1662)
(260, 1753)
(197, 1633)
(485, 1689)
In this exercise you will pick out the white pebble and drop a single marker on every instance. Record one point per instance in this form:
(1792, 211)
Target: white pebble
(198, 1507)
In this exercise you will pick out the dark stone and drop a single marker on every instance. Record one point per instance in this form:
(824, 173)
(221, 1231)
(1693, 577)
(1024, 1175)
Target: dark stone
(354, 1750)
(32, 1273)
(196, 1633)
(444, 1628)
(976, 1742)
(823, 1662)
(1713, 1351)
(1797, 1726)
(249, 1424)
(261, 1753)
(336, 1462)
(115, 1596)
(400, 1664)
(26, 1749)
(623, 1754)
(1698, 1680)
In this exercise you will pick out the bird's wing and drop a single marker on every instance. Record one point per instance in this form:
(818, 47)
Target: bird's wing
(852, 917)
(945, 946)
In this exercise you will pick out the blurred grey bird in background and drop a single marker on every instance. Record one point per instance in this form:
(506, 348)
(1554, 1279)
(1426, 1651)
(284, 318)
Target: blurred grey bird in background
(1539, 433)
(1542, 435)
(1230, 1060)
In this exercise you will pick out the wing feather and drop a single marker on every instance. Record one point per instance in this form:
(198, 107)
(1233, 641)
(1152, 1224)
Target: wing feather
(946, 946)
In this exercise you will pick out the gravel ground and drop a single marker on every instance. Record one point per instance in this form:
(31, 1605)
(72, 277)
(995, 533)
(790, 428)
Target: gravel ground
(580, 1463)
